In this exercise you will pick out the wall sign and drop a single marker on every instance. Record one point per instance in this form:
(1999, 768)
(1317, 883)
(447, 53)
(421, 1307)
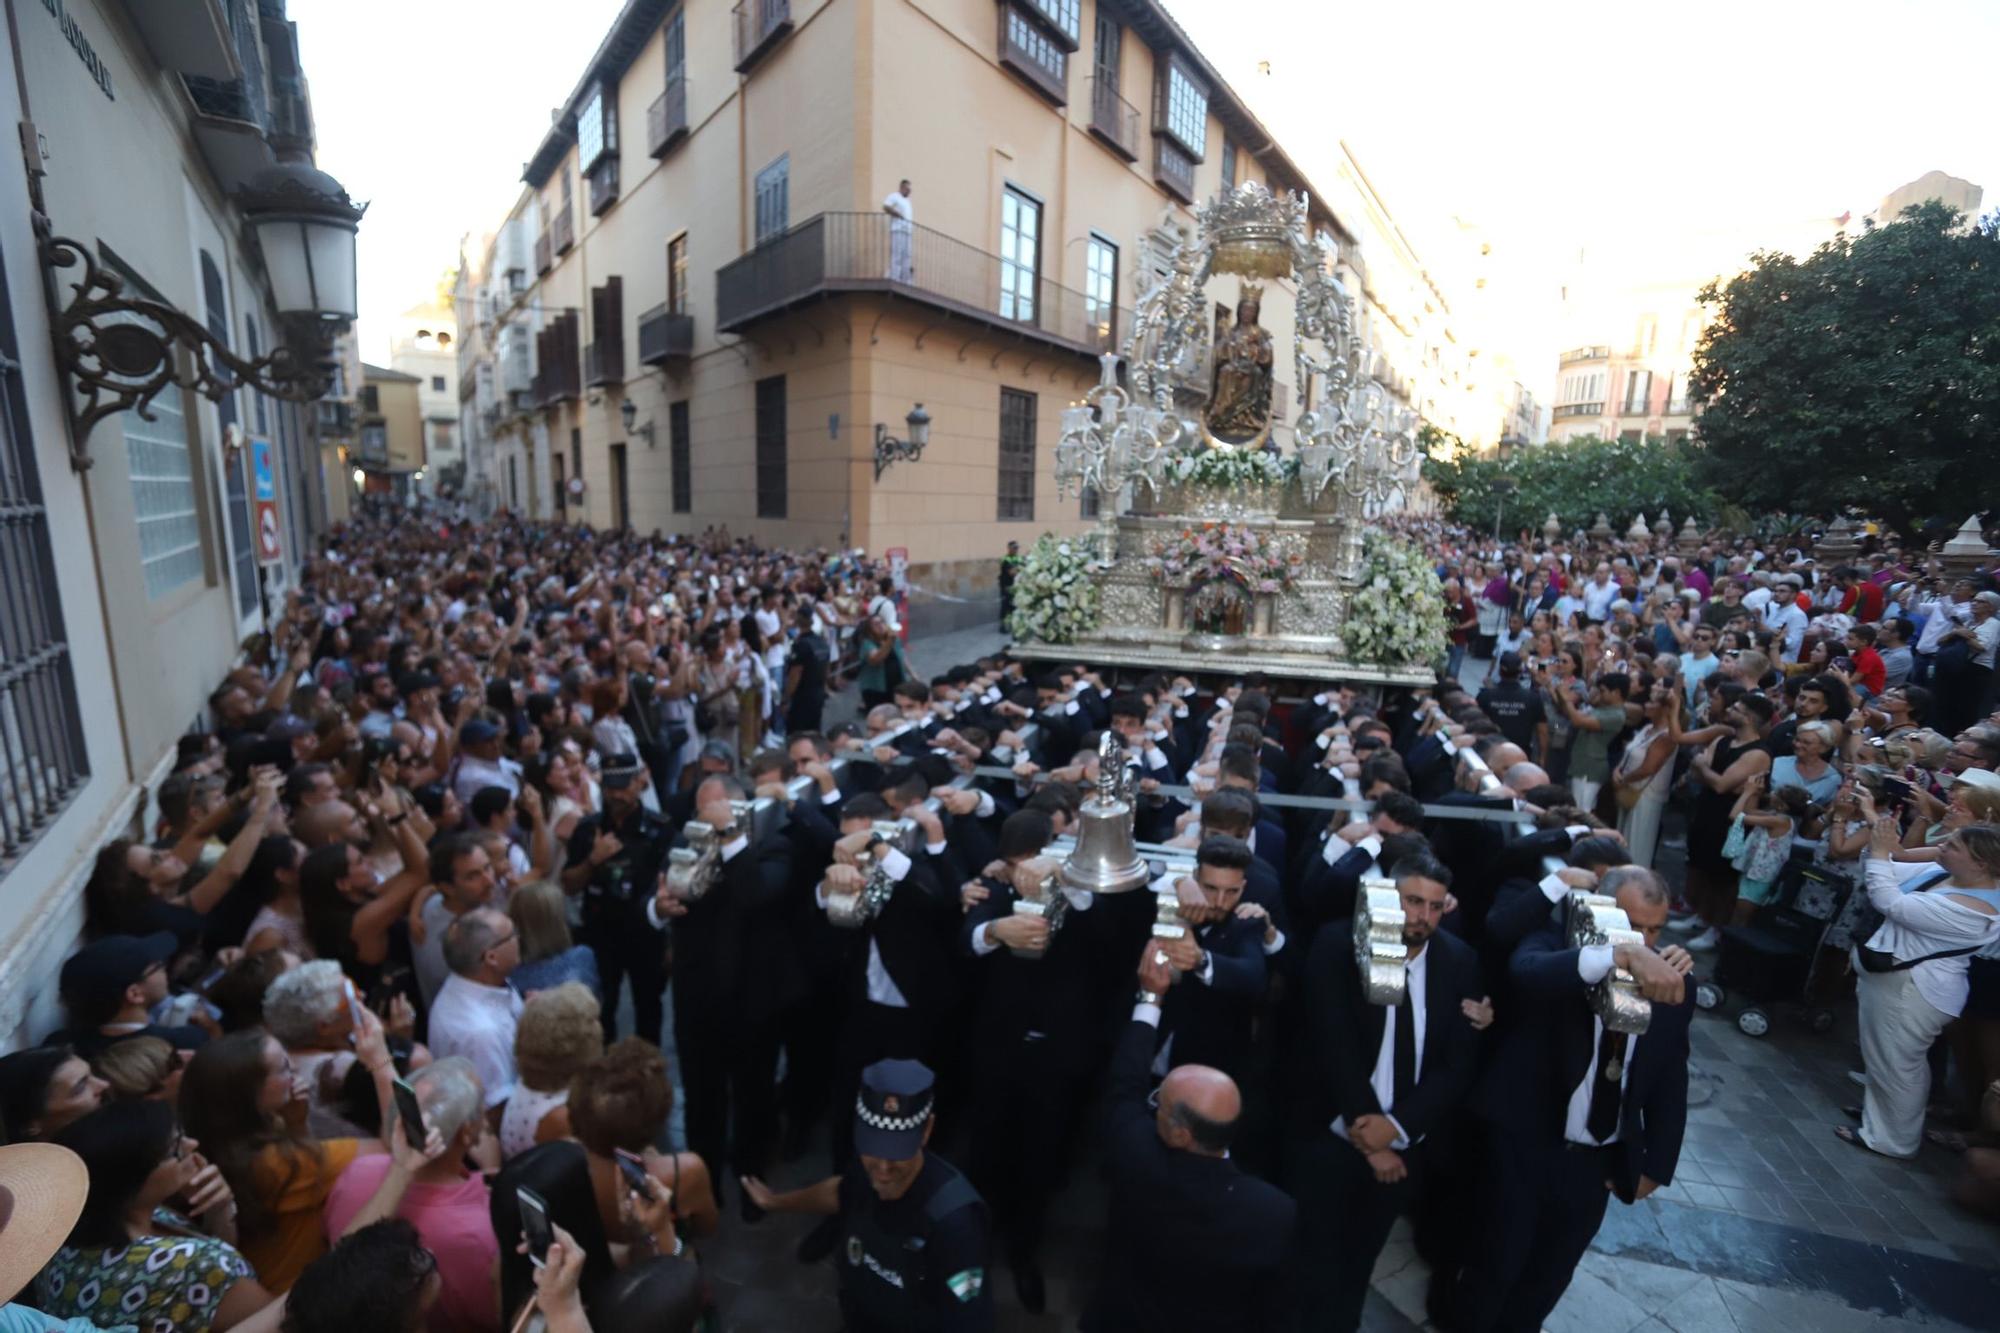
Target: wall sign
(264, 481)
(100, 74)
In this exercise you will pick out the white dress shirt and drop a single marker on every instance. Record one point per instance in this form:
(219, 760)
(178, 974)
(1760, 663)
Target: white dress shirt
(478, 1021)
(1383, 1080)
(1592, 964)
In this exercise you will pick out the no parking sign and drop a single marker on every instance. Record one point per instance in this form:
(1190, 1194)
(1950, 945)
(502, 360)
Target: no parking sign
(264, 480)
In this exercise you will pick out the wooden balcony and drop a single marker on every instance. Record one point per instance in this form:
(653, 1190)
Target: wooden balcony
(667, 118)
(545, 258)
(604, 185)
(1030, 52)
(563, 231)
(832, 253)
(1173, 169)
(665, 339)
(759, 25)
(1114, 120)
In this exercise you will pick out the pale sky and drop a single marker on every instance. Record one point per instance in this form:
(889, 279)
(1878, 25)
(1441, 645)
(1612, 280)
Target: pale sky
(1552, 126)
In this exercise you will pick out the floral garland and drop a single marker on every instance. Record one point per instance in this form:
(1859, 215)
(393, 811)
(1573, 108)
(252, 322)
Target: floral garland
(1216, 551)
(1054, 598)
(1231, 467)
(1396, 617)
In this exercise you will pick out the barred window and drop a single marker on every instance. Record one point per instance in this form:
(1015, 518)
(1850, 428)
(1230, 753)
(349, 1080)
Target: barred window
(1187, 110)
(1017, 455)
(163, 496)
(42, 761)
(772, 482)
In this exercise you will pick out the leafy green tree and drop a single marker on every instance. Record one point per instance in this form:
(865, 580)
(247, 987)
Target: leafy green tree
(1865, 375)
(1575, 480)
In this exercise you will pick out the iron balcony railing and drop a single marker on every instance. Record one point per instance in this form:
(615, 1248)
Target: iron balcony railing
(563, 231)
(858, 252)
(759, 25)
(665, 337)
(604, 362)
(1173, 169)
(1113, 119)
(1575, 354)
(667, 118)
(1578, 410)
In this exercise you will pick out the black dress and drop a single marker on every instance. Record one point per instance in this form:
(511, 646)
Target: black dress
(1708, 823)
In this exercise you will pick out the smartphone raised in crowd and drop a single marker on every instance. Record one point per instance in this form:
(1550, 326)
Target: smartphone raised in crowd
(535, 1228)
(634, 1167)
(411, 1111)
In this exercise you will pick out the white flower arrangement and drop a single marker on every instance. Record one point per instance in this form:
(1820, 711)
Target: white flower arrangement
(1054, 597)
(1396, 617)
(1231, 467)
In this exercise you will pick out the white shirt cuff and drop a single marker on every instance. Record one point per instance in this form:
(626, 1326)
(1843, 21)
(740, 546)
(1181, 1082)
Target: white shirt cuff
(1576, 831)
(1372, 844)
(1155, 760)
(980, 944)
(734, 846)
(830, 797)
(1593, 963)
(895, 864)
(1149, 1014)
(653, 917)
(1275, 946)
(1553, 888)
(984, 810)
(1402, 1139)
(935, 848)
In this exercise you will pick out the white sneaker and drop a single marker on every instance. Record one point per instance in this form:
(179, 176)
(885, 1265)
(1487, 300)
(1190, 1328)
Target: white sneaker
(1704, 942)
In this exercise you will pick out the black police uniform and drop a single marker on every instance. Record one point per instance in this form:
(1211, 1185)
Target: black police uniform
(614, 914)
(917, 1264)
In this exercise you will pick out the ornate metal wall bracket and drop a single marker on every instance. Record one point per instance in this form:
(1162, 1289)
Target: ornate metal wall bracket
(120, 352)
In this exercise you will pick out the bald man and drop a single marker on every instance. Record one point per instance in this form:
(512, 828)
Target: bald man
(328, 822)
(1193, 1241)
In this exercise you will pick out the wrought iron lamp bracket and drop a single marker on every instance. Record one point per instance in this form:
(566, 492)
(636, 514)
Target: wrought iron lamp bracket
(120, 352)
(890, 450)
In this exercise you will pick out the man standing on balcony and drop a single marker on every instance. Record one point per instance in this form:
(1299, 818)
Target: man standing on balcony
(901, 216)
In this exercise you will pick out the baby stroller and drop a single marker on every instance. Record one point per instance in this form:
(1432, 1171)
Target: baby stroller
(1776, 954)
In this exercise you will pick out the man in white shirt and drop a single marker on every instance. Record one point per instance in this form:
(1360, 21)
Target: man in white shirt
(1599, 593)
(902, 219)
(476, 1012)
(1783, 615)
(480, 762)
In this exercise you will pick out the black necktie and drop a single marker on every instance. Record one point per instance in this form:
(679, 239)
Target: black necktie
(1404, 1062)
(1607, 1089)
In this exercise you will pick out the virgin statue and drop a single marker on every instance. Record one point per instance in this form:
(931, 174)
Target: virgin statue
(1239, 404)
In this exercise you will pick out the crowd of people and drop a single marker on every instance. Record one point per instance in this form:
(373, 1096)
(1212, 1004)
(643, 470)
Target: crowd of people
(347, 1039)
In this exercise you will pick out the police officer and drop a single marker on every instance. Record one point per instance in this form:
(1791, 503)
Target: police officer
(914, 1235)
(614, 862)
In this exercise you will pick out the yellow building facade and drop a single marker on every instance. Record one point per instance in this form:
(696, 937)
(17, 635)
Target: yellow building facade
(701, 309)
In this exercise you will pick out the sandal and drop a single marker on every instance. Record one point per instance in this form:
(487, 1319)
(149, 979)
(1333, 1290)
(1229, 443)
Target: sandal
(1849, 1134)
(1852, 1113)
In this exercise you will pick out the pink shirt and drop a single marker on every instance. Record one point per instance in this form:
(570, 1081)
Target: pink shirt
(455, 1226)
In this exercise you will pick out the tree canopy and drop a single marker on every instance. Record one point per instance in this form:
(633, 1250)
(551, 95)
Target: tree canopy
(1575, 480)
(1865, 375)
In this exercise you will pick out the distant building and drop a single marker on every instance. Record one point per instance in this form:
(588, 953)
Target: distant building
(391, 453)
(1634, 316)
(423, 344)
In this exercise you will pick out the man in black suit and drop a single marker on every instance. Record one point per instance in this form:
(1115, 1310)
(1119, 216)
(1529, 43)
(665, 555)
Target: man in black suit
(736, 975)
(1574, 1112)
(1193, 1242)
(1218, 965)
(1322, 889)
(1374, 1082)
(1033, 1044)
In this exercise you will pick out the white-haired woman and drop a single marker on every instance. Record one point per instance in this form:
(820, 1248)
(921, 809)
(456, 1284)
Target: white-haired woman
(1911, 972)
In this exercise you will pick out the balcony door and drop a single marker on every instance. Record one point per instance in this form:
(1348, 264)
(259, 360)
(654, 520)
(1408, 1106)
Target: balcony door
(1020, 254)
(1105, 60)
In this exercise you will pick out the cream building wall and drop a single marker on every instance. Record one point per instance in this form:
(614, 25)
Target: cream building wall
(126, 177)
(423, 343)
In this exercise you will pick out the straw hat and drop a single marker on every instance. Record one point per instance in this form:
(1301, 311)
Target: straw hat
(42, 1189)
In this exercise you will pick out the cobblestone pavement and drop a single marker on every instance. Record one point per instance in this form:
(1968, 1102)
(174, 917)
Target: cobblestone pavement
(1771, 1225)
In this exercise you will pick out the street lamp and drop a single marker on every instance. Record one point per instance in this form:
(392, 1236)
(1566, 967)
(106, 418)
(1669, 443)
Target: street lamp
(628, 412)
(889, 449)
(305, 225)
